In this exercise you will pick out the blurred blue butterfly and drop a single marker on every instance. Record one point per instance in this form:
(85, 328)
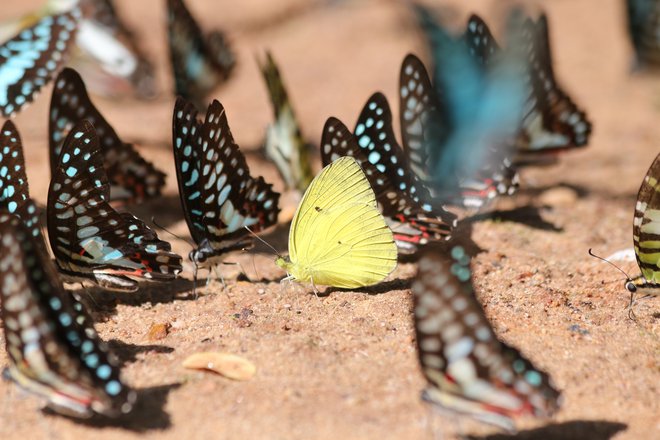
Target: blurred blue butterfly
(459, 131)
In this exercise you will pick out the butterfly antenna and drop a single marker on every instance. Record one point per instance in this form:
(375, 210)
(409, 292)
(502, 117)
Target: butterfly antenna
(153, 220)
(610, 263)
(262, 240)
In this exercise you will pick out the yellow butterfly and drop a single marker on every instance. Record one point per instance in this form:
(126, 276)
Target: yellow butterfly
(338, 236)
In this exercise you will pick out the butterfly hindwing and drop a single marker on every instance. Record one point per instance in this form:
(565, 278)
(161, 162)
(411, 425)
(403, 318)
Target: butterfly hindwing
(88, 237)
(53, 348)
(468, 369)
(131, 176)
(29, 60)
(338, 236)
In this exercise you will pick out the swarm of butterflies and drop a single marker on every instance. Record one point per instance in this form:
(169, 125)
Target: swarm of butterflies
(375, 198)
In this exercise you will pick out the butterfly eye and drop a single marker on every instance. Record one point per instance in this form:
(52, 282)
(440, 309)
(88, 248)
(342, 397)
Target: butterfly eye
(630, 286)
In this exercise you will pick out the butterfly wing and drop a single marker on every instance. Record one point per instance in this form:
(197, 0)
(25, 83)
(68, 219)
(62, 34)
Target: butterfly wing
(128, 172)
(14, 191)
(338, 236)
(51, 343)
(467, 368)
(88, 237)
(646, 224)
(29, 60)
(284, 142)
(199, 64)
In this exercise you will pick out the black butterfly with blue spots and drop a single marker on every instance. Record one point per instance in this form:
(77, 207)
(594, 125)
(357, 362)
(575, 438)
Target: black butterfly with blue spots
(52, 346)
(415, 218)
(132, 178)
(90, 240)
(14, 190)
(29, 60)
(552, 123)
(218, 196)
(199, 62)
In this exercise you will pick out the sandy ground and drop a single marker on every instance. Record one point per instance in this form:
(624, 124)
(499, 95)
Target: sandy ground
(344, 365)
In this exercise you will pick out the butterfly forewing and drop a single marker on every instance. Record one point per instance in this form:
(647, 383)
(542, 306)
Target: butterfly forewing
(284, 142)
(29, 60)
(199, 63)
(53, 348)
(14, 191)
(88, 237)
(643, 25)
(468, 369)
(130, 175)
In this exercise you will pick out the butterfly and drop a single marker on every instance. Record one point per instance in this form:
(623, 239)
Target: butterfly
(552, 122)
(218, 196)
(199, 63)
(468, 370)
(30, 59)
(53, 349)
(132, 177)
(110, 59)
(14, 191)
(646, 228)
(426, 131)
(90, 240)
(284, 142)
(643, 25)
(403, 199)
(338, 237)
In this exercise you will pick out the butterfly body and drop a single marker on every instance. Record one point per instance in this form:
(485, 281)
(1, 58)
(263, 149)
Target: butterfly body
(30, 59)
(132, 177)
(53, 349)
(218, 196)
(338, 236)
(89, 238)
(284, 141)
(469, 371)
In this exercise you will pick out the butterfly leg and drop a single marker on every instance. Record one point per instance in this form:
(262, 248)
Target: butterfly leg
(194, 291)
(314, 289)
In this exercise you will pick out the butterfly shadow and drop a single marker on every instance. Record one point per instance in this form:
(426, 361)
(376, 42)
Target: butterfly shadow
(128, 353)
(148, 413)
(573, 430)
(377, 289)
(524, 215)
(102, 304)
